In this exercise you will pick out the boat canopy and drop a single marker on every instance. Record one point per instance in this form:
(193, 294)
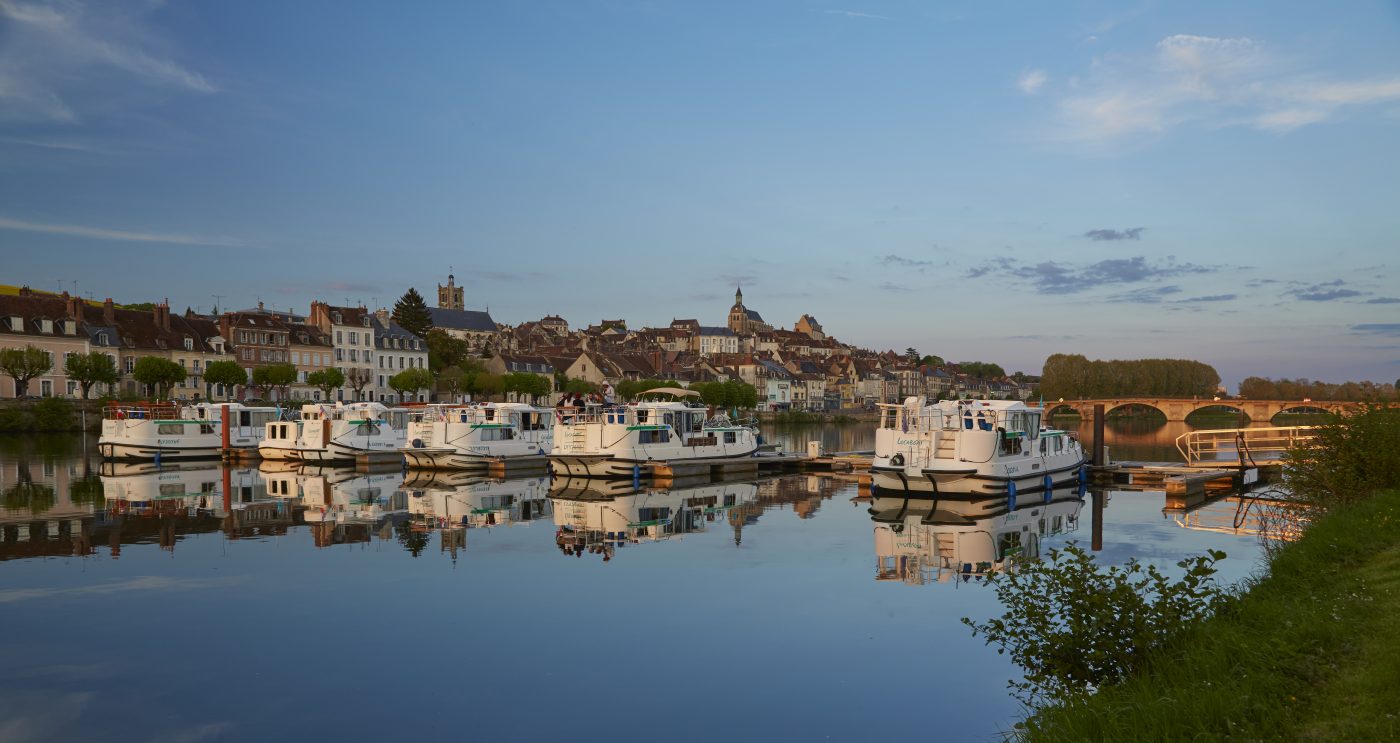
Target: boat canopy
(678, 392)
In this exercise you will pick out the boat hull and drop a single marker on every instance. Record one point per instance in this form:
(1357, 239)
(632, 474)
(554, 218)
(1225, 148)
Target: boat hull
(975, 482)
(607, 466)
(138, 451)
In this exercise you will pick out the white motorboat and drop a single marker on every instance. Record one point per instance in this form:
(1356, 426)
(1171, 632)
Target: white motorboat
(919, 541)
(469, 437)
(168, 431)
(972, 448)
(612, 441)
(340, 433)
(281, 439)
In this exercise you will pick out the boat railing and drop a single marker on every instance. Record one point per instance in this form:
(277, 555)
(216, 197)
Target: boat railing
(1241, 446)
(141, 411)
(591, 414)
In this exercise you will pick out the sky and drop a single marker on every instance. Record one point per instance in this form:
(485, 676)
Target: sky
(981, 181)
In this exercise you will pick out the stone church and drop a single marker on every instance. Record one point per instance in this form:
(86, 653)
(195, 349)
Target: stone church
(744, 321)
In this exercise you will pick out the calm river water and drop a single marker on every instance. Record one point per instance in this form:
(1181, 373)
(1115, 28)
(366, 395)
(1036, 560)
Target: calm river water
(200, 603)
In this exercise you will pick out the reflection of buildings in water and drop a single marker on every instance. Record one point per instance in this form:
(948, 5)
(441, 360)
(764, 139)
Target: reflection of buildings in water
(599, 516)
(919, 540)
(804, 494)
(47, 504)
(452, 504)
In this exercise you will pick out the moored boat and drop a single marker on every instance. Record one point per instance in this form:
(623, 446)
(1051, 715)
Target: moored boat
(611, 441)
(971, 448)
(340, 433)
(469, 437)
(168, 431)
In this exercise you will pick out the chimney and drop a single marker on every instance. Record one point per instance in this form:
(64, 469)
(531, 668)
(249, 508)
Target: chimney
(25, 291)
(109, 313)
(162, 315)
(75, 309)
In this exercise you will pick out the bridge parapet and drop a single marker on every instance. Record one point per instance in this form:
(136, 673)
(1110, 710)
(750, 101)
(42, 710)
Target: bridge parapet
(1177, 409)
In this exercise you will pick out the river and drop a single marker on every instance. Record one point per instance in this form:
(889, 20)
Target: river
(201, 603)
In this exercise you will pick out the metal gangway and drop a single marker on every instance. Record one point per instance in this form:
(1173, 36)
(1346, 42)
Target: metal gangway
(1242, 447)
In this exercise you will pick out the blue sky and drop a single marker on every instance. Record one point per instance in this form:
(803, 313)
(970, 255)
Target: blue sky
(1201, 180)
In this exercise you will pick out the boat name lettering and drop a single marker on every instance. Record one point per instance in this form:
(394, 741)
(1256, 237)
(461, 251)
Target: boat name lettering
(907, 442)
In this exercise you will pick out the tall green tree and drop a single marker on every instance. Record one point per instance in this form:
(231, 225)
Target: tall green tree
(326, 380)
(274, 376)
(453, 381)
(227, 373)
(912, 354)
(91, 368)
(24, 364)
(161, 374)
(445, 350)
(409, 381)
(411, 313)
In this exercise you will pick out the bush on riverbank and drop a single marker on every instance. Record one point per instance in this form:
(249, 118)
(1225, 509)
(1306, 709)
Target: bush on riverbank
(47, 415)
(1308, 653)
(1352, 458)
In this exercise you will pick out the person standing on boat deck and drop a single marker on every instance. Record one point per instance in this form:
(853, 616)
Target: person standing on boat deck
(609, 395)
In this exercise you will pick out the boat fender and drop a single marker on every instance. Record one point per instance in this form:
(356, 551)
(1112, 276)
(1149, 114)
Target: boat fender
(1049, 487)
(897, 460)
(1011, 495)
(418, 443)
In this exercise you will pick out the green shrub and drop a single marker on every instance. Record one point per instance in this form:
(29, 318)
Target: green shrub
(53, 414)
(1351, 458)
(13, 420)
(1073, 626)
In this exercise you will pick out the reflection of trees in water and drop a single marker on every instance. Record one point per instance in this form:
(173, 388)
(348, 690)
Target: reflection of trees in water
(413, 540)
(858, 436)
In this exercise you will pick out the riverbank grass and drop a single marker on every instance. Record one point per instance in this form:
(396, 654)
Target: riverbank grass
(1310, 652)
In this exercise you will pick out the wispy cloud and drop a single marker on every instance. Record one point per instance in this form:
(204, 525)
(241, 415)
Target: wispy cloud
(890, 286)
(1031, 81)
(1132, 233)
(1208, 81)
(1146, 295)
(1384, 300)
(141, 583)
(61, 51)
(102, 233)
(1209, 298)
(1049, 277)
(1378, 328)
(903, 262)
(1322, 292)
(856, 14)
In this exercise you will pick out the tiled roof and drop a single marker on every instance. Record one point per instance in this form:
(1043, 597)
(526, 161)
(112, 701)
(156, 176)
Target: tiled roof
(462, 320)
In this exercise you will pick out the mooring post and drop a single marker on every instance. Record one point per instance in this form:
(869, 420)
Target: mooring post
(223, 424)
(1097, 527)
(1099, 458)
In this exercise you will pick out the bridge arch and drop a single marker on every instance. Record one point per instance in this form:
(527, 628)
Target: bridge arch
(1219, 408)
(1134, 404)
(1053, 409)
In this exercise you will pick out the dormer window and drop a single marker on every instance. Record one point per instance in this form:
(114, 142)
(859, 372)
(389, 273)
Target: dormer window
(70, 327)
(160, 343)
(17, 323)
(46, 326)
(128, 342)
(189, 344)
(365, 321)
(102, 339)
(336, 317)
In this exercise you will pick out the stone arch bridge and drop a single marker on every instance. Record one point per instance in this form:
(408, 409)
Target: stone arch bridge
(1176, 409)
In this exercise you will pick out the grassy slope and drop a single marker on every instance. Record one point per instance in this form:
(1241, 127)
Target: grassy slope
(1311, 652)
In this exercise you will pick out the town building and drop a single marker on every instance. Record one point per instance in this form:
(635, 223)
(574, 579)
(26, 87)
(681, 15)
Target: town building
(744, 321)
(451, 297)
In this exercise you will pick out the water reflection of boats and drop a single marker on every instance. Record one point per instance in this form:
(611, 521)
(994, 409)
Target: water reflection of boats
(346, 496)
(598, 516)
(482, 503)
(919, 541)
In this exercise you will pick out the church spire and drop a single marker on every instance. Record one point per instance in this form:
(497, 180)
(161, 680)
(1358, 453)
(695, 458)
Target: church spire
(738, 295)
